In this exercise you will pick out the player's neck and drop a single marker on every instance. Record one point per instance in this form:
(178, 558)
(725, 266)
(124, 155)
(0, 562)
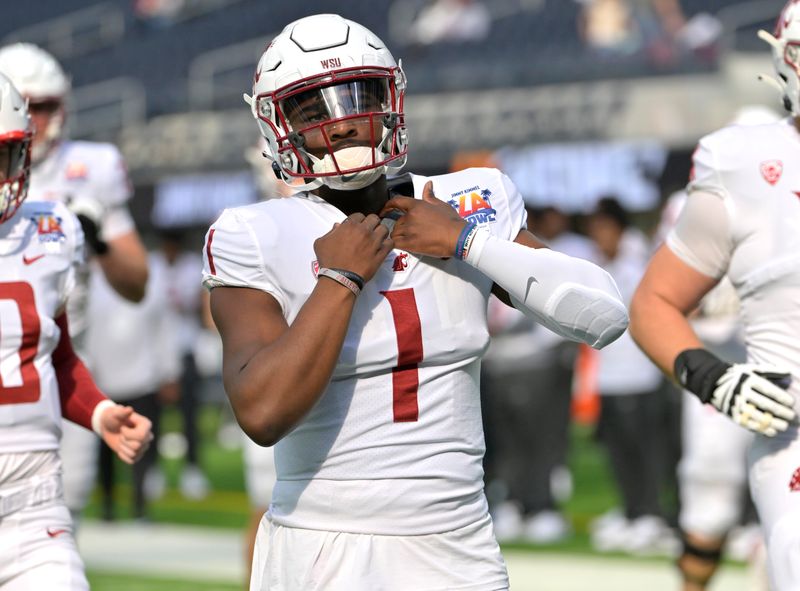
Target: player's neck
(367, 200)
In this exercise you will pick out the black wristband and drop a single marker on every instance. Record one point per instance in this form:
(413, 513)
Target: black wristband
(697, 370)
(91, 234)
(354, 277)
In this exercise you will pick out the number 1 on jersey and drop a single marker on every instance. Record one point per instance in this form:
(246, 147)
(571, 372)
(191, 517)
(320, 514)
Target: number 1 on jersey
(405, 376)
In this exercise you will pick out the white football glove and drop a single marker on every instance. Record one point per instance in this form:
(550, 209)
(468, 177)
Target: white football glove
(754, 396)
(749, 395)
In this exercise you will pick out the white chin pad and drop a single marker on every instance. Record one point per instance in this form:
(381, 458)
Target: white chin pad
(347, 159)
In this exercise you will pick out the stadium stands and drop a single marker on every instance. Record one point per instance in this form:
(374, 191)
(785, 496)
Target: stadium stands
(528, 47)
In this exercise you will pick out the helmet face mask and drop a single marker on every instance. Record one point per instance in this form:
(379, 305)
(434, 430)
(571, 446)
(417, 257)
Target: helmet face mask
(785, 44)
(15, 149)
(342, 126)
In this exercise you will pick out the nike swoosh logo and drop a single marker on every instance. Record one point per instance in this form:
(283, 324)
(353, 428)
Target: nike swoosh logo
(54, 533)
(531, 281)
(31, 260)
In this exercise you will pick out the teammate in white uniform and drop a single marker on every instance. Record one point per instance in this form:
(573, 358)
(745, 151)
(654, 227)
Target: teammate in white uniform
(92, 180)
(742, 219)
(41, 378)
(359, 353)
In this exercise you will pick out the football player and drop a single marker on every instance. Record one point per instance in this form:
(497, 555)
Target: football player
(741, 219)
(92, 180)
(357, 349)
(41, 378)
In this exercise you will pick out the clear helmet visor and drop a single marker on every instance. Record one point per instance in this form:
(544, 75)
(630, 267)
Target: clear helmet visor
(320, 105)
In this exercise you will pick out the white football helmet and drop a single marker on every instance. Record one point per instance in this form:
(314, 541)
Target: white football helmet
(785, 43)
(40, 79)
(15, 149)
(328, 98)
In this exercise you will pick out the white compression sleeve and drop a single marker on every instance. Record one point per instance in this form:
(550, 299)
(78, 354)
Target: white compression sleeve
(572, 297)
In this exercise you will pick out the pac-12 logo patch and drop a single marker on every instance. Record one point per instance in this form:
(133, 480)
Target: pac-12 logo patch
(48, 227)
(315, 268)
(474, 205)
(772, 170)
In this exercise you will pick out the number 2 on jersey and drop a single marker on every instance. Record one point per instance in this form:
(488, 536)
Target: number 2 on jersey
(405, 375)
(19, 343)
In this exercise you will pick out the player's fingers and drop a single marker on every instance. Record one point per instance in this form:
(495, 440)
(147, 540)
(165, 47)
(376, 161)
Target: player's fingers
(371, 221)
(768, 404)
(427, 193)
(775, 392)
(355, 218)
(380, 232)
(403, 204)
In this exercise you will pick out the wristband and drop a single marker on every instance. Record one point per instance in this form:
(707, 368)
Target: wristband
(340, 279)
(97, 425)
(476, 243)
(697, 370)
(464, 240)
(354, 277)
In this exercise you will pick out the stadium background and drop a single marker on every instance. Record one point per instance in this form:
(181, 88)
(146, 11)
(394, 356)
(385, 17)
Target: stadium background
(163, 80)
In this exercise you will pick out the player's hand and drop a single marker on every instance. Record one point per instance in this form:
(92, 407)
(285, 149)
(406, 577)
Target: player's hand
(428, 226)
(359, 244)
(755, 397)
(126, 432)
(90, 214)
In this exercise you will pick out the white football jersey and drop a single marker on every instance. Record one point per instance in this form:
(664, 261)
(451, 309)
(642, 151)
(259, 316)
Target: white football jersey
(395, 445)
(753, 173)
(41, 247)
(89, 169)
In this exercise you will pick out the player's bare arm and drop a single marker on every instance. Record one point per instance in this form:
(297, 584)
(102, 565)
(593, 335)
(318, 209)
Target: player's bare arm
(668, 292)
(274, 372)
(571, 296)
(125, 266)
(752, 395)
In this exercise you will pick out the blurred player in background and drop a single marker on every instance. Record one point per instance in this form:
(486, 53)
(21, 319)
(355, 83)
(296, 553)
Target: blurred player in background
(527, 394)
(741, 219)
(713, 468)
(137, 355)
(179, 268)
(41, 378)
(90, 178)
(631, 425)
(359, 353)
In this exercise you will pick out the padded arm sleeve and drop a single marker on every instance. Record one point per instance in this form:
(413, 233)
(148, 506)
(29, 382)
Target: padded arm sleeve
(572, 297)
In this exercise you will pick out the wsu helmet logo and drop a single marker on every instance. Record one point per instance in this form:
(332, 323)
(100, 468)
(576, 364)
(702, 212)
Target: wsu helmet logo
(772, 170)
